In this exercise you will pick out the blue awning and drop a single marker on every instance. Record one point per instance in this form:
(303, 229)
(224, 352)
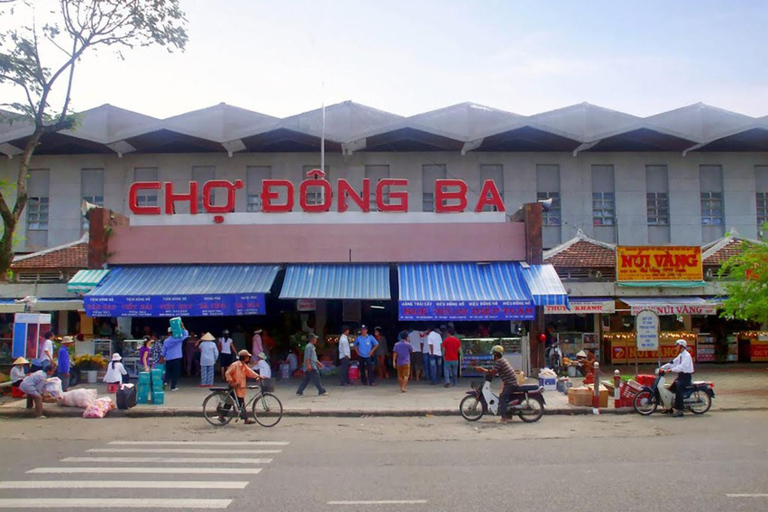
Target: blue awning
(545, 286)
(345, 281)
(464, 291)
(183, 290)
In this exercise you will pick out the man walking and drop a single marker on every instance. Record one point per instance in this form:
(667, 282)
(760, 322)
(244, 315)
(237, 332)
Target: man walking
(64, 362)
(344, 356)
(172, 353)
(417, 361)
(435, 342)
(451, 348)
(365, 345)
(311, 367)
(401, 360)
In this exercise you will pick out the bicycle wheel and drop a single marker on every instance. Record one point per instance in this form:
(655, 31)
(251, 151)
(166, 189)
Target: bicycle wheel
(267, 410)
(471, 408)
(213, 409)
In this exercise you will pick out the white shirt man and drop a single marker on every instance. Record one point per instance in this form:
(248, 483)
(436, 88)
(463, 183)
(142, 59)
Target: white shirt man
(683, 363)
(344, 347)
(414, 338)
(262, 367)
(47, 350)
(435, 343)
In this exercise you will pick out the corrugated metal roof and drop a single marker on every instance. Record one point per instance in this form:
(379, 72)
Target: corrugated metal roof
(353, 281)
(439, 282)
(544, 285)
(188, 280)
(86, 280)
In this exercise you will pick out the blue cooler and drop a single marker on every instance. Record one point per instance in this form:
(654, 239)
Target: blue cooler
(177, 331)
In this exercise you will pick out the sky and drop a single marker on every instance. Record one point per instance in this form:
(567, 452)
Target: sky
(283, 58)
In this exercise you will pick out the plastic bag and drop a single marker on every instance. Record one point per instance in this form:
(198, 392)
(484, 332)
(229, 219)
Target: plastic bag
(99, 408)
(53, 387)
(79, 398)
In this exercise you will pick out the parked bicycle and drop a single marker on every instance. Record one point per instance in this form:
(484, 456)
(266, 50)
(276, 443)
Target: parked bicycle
(222, 406)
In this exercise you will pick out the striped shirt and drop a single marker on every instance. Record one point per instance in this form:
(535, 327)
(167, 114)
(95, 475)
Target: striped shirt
(505, 372)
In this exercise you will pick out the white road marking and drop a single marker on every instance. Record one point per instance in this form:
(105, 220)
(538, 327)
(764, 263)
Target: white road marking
(747, 495)
(378, 502)
(198, 451)
(46, 503)
(173, 471)
(201, 443)
(121, 484)
(173, 460)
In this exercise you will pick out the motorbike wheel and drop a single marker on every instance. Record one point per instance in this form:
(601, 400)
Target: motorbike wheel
(531, 410)
(471, 408)
(703, 402)
(645, 403)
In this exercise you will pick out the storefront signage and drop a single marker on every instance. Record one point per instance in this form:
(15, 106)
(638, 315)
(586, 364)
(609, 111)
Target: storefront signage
(677, 309)
(313, 195)
(675, 263)
(758, 350)
(628, 354)
(647, 324)
(306, 305)
(466, 310)
(582, 308)
(176, 305)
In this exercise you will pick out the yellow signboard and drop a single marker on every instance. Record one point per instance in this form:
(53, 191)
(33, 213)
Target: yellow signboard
(673, 263)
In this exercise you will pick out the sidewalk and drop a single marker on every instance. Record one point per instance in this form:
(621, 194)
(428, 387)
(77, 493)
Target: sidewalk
(736, 388)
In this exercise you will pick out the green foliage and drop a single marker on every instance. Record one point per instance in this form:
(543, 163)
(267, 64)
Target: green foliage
(746, 283)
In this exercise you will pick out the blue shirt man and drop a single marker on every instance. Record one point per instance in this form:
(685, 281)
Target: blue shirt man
(172, 347)
(365, 344)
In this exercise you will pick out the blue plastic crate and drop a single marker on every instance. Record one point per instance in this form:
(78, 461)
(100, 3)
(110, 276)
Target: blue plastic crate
(144, 378)
(158, 397)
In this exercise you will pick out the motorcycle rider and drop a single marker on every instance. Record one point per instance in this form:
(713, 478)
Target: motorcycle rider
(682, 365)
(504, 370)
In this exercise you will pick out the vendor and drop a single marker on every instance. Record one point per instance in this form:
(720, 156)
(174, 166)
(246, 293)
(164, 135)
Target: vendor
(586, 361)
(32, 386)
(262, 368)
(116, 373)
(18, 372)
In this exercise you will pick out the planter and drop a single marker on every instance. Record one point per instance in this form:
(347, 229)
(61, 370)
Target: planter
(92, 376)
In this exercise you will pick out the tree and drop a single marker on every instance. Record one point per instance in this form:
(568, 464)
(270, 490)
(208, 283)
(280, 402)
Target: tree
(41, 51)
(746, 283)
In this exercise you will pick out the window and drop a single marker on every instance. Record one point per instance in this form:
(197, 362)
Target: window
(712, 207)
(38, 188)
(92, 188)
(255, 175)
(494, 173)
(761, 185)
(146, 197)
(603, 203)
(548, 186)
(376, 173)
(315, 195)
(201, 175)
(429, 175)
(657, 195)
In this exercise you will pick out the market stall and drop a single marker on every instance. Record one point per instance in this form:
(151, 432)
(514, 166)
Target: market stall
(753, 346)
(477, 352)
(622, 347)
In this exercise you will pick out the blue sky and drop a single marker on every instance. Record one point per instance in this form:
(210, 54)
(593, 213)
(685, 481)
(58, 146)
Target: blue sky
(641, 57)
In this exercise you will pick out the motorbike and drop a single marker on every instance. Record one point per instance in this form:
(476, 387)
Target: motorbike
(555, 357)
(528, 403)
(697, 397)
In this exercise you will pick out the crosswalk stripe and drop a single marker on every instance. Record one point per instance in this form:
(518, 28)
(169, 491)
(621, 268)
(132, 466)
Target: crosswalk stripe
(201, 443)
(181, 450)
(46, 503)
(122, 484)
(173, 460)
(174, 470)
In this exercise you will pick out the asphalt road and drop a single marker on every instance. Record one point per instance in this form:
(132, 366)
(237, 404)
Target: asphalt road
(625, 463)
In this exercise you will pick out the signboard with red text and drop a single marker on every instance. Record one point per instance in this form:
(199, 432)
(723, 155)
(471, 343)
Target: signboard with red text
(673, 263)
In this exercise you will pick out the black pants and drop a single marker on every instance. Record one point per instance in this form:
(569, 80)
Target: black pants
(227, 406)
(314, 377)
(504, 398)
(679, 387)
(344, 371)
(173, 370)
(366, 370)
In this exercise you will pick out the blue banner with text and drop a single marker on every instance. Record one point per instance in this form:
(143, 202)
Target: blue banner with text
(174, 305)
(466, 310)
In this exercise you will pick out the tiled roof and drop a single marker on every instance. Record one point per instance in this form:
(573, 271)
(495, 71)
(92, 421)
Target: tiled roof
(722, 250)
(72, 255)
(582, 252)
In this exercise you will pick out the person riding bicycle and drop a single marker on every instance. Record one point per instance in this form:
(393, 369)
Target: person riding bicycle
(236, 375)
(682, 365)
(504, 370)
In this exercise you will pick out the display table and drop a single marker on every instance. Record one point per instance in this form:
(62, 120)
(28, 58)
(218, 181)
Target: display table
(477, 352)
(623, 347)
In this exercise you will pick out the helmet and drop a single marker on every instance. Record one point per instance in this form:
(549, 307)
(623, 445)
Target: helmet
(497, 349)
(681, 343)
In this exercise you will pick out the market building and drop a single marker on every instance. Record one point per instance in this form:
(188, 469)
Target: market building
(223, 215)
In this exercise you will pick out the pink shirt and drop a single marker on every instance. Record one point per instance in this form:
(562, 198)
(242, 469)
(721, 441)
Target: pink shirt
(257, 346)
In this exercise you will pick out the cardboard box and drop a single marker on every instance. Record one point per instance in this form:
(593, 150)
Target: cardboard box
(603, 399)
(580, 397)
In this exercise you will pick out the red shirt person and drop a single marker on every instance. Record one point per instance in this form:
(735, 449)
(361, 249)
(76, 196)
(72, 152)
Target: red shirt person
(451, 348)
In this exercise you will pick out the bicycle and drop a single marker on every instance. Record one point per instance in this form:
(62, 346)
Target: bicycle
(266, 408)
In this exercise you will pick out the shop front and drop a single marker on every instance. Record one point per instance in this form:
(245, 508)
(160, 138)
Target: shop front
(577, 325)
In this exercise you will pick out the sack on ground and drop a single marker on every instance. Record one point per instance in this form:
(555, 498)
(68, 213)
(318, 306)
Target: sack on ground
(53, 387)
(126, 396)
(99, 408)
(78, 398)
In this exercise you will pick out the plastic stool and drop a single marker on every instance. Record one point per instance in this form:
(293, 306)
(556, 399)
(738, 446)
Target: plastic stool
(112, 388)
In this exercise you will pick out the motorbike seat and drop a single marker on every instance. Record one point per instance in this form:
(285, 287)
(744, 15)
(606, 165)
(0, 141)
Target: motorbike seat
(529, 387)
